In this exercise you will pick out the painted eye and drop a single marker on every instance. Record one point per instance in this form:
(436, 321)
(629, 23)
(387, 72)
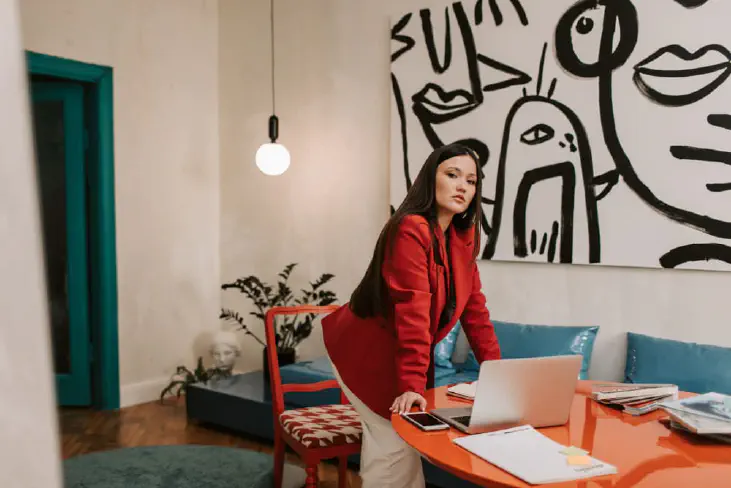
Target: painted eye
(538, 134)
(584, 25)
(582, 30)
(586, 35)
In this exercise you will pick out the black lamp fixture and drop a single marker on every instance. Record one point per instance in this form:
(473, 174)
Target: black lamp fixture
(272, 158)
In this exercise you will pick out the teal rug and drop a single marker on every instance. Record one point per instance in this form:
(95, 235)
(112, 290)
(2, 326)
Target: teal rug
(189, 466)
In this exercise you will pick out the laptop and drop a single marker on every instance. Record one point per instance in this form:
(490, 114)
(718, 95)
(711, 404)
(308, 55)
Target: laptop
(526, 391)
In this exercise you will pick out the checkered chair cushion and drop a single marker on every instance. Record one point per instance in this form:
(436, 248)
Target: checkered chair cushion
(323, 426)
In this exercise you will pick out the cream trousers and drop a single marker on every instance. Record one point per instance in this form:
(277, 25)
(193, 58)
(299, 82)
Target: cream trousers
(386, 460)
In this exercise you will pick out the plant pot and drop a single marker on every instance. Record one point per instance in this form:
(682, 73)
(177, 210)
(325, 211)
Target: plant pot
(284, 357)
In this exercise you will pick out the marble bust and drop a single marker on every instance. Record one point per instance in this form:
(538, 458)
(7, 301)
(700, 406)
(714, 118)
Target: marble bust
(225, 349)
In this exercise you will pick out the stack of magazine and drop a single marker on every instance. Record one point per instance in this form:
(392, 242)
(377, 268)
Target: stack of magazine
(707, 415)
(634, 398)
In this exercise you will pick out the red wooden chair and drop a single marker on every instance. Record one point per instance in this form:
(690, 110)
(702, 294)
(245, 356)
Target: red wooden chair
(314, 433)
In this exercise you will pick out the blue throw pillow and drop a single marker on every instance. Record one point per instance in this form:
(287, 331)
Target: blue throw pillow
(697, 368)
(445, 348)
(527, 341)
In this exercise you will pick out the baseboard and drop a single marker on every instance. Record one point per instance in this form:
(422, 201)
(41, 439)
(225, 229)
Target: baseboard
(142, 392)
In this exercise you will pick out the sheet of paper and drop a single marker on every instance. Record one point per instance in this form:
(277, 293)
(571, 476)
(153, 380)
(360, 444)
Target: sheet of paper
(531, 456)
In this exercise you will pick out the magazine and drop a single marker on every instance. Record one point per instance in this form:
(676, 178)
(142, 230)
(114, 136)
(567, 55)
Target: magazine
(634, 398)
(700, 424)
(631, 391)
(674, 424)
(712, 405)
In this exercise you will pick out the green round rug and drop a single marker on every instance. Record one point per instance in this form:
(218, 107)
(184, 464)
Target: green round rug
(188, 466)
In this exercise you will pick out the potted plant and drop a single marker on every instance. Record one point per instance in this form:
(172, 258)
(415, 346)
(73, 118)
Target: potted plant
(183, 377)
(290, 331)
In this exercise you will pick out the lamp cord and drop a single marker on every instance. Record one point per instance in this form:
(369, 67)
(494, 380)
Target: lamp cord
(271, 21)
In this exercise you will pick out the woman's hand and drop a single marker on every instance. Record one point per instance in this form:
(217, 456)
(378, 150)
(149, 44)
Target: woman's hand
(403, 403)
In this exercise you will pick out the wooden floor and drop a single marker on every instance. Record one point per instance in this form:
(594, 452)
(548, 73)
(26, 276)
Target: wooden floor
(84, 431)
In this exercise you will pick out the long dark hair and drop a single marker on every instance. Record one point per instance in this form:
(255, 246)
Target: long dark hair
(369, 298)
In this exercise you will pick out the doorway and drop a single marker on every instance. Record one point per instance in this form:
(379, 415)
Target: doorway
(71, 107)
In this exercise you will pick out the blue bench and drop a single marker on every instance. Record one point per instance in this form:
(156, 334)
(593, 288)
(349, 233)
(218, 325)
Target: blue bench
(694, 367)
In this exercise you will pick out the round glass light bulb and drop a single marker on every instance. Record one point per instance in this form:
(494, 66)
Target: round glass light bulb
(272, 158)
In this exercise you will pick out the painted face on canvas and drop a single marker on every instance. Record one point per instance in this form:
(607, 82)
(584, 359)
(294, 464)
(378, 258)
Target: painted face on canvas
(456, 182)
(441, 78)
(545, 210)
(663, 69)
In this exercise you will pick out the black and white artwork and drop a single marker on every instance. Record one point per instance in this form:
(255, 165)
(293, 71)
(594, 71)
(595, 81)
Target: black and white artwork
(603, 126)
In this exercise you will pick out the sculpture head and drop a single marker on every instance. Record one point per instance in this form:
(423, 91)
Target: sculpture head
(225, 349)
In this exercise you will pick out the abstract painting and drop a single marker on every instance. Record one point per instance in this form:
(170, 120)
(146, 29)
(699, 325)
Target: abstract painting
(603, 127)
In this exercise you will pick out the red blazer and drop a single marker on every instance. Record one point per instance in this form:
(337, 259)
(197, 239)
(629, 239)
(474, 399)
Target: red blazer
(379, 359)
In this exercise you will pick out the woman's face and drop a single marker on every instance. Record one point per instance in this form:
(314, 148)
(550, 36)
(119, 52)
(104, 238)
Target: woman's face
(456, 185)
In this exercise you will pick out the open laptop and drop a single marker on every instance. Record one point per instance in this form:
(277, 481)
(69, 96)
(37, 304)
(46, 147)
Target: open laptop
(510, 392)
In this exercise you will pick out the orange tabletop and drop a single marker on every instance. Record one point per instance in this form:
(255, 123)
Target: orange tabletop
(644, 450)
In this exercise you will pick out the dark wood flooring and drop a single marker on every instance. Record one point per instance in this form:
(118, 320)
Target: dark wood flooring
(85, 431)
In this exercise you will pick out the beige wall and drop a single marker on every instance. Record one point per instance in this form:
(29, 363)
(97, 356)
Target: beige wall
(333, 96)
(326, 210)
(164, 55)
(28, 436)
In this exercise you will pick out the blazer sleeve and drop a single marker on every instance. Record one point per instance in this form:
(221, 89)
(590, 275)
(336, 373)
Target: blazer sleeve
(476, 322)
(405, 272)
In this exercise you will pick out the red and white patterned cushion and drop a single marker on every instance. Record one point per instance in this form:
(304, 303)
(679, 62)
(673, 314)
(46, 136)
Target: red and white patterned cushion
(323, 426)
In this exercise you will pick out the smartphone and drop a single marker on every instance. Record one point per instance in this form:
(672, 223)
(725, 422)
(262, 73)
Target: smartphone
(425, 421)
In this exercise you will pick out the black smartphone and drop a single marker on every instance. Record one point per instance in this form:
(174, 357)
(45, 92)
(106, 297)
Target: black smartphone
(425, 421)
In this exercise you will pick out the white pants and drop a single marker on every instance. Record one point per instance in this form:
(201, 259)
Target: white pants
(386, 460)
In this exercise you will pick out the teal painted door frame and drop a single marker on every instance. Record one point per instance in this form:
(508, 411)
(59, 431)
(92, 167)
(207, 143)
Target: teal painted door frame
(73, 387)
(102, 235)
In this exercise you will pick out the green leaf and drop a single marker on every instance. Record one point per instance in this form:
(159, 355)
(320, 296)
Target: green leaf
(287, 271)
(168, 389)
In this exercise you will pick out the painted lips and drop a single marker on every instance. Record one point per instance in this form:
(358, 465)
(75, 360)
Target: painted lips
(438, 105)
(673, 76)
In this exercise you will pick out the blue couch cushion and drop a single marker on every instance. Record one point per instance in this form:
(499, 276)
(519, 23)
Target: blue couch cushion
(526, 341)
(443, 374)
(445, 348)
(697, 368)
(456, 377)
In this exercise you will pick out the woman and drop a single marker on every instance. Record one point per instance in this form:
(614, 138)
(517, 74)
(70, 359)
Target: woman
(423, 277)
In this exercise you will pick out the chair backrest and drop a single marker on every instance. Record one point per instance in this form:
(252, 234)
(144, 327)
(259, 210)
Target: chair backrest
(275, 379)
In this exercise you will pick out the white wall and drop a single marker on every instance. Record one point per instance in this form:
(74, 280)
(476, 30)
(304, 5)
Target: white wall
(164, 55)
(333, 95)
(325, 212)
(29, 439)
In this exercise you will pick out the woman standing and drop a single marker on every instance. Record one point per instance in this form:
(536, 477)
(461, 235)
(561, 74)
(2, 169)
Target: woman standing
(422, 278)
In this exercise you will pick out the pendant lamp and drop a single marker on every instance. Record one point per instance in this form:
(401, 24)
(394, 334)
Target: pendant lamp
(272, 158)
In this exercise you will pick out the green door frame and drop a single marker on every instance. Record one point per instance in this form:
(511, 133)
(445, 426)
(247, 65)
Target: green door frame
(102, 234)
(73, 386)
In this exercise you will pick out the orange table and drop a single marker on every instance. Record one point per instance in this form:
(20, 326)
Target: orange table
(645, 451)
